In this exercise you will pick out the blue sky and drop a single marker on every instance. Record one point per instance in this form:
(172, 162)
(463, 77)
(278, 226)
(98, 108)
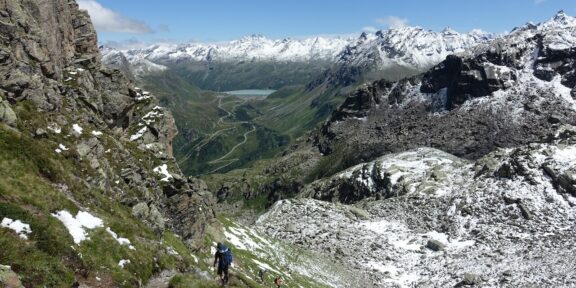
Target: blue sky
(222, 20)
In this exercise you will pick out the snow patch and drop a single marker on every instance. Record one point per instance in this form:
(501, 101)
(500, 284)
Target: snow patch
(77, 129)
(78, 226)
(171, 251)
(139, 134)
(61, 148)
(123, 263)
(21, 228)
(265, 266)
(120, 240)
(163, 171)
(54, 128)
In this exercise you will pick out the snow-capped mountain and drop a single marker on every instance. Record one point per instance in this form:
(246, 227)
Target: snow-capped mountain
(254, 47)
(129, 64)
(409, 46)
(413, 48)
(518, 87)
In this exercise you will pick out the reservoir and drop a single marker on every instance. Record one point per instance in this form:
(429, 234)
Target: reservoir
(251, 92)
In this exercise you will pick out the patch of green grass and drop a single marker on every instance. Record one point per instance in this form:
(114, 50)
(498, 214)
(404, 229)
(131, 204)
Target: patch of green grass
(192, 281)
(41, 260)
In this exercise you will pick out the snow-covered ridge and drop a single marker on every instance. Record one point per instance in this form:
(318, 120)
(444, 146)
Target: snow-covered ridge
(413, 47)
(424, 46)
(255, 47)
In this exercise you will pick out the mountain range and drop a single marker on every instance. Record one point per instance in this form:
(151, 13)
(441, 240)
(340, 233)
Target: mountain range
(458, 170)
(410, 47)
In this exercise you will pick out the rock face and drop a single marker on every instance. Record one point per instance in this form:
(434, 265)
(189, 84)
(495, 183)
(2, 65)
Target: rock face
(53, 77)
(116, 59)
(511, 91)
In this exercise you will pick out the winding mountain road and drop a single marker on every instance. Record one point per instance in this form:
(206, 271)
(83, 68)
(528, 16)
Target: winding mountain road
(221, 121)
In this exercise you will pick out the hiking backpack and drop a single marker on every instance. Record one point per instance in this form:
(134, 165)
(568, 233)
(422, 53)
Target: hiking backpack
(227, 257)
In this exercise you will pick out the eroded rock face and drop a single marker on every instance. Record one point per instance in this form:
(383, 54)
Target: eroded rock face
(52, 75)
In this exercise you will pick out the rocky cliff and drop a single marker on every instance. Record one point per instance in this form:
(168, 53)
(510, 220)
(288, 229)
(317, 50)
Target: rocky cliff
(95, 143)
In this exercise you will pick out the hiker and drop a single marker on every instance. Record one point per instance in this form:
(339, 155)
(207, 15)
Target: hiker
(278, 281)
(223, 257)
(261, 274)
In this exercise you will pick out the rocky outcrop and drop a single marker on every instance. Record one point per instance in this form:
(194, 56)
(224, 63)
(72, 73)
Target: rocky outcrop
(419, 171)
(430, 172)
(55, 88)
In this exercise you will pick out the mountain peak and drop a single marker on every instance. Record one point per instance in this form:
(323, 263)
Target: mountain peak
(559, 21)
(449, 31)
(560, 15)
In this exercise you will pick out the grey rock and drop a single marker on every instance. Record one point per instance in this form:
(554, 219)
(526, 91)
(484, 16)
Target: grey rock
(524, 211)
(7, 115)
(435, 245)
(360, 213)
(291, 227)
(149, 214)
(141, 210)
(471, 279)
(8, 278)
(40, 133)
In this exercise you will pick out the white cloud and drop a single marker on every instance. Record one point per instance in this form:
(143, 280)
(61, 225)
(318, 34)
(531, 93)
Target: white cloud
(369, 29)
(107, 20)
(393, 21)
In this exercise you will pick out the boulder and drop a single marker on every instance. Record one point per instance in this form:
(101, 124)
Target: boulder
(291, 227)
(524, 211)
(8, 278)
(40, 133)
(7, 115)
(435, 245)
(471, 279)
(360, 213)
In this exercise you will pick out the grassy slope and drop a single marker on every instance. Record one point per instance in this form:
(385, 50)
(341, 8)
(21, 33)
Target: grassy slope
(50, 258)
(28, 192)
(247, 74)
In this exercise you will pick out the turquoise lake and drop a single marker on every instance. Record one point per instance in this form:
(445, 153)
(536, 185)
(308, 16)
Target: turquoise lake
(251, 92)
